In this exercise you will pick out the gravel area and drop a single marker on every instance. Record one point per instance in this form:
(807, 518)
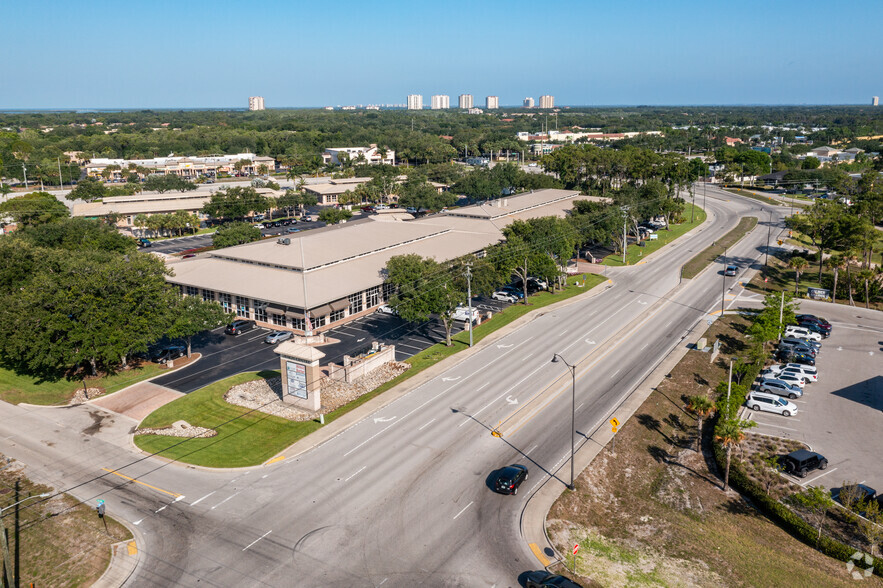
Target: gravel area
(266, 395)
(179, 429)
(81, 396)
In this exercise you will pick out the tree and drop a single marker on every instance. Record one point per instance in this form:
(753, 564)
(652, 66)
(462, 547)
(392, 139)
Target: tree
(703, 408)
(817, 501)
(420, 194)
(834, 263)
(866, 275)
(824, 223)
(332, 216)
(871, 525)
(235, 234)
(167, 182)
(730, 434)
(192, 316)
(87, 189)
(77, 234)
(35, 208)
(798, 264)
(235, 202)
(810, 162)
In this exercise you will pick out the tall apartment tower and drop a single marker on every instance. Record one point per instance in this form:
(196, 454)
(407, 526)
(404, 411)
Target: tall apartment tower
(492, 102)
(255, 102)
(875, 101)
(528, 102)
(415, 102)
(466, 101)
(547, 101)
(440, 102)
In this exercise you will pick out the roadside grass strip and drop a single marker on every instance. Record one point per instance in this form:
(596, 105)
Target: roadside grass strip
(636, 253)
(712, 252)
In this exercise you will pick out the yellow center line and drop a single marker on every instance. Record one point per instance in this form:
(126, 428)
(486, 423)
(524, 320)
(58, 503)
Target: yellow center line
(115, 473)
(539, 554)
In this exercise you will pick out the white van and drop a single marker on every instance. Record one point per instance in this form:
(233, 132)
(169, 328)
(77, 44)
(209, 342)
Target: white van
(770, 403)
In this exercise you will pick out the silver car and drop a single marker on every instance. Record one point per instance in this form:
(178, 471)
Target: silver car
(781, 388)
(278, 337)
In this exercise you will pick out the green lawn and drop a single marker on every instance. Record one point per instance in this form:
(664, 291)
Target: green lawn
(712, 252)
(635, 253)
(753, 195)
(247, 438)
(15, 388)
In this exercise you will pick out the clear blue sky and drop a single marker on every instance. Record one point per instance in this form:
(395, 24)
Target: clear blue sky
(185, 54)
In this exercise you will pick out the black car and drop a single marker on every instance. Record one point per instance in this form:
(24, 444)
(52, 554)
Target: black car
(816, 328)
(546, 579)
(790, 356)
(510, 478)
(144, 242)
(811, 318)
(167, 353)
(803, 461)
(238, 327)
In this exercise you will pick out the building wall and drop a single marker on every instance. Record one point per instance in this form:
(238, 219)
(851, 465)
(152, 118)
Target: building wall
(547, 101)
(528, 102)
(492, 102)
(466, 101)
(415, 102)
(440, 102)
(256, 103)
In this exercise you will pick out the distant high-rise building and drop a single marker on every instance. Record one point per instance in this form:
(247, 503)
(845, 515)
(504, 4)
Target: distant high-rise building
(440, 102)
(492, 102)
(255, 102)
(875, 101)
(466, 101)
(547, 101)
(415, 102)
(528, 102)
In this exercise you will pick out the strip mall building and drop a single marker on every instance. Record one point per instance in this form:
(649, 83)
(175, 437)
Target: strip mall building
(336, 274)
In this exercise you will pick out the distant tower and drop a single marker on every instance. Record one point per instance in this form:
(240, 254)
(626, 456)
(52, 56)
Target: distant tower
(415, 102)
(255, 102)
(492, 102)
(547, 101)
(528, 102)
(466, 101)
(440, 102)
(875, 101)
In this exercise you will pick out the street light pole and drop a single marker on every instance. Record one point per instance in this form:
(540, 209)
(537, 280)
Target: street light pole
(555, 359)
(724, 284)
(469, 294)
(768, 234)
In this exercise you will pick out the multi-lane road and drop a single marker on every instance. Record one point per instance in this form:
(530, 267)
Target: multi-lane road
(402, 497)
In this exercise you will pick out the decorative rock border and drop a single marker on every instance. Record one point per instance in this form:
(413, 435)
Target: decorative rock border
(179, 429)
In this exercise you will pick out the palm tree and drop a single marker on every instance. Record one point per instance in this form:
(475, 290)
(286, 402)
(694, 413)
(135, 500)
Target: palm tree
(866, 275)
(731, 434)
(834, 263)
(798, 264)
(703, 408)
(848, 258)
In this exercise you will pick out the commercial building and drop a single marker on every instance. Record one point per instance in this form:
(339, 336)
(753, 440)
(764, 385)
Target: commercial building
(875, 101)
(326, 277)
(255, 102)
(492, 102)
(328, 193)
(372, 155)
(187, 167)
(466, 101)
(440, 102)
(528, 102)
(547, 101)
(415, 102)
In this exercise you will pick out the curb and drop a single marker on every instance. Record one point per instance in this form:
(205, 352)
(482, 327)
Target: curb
(124, 560)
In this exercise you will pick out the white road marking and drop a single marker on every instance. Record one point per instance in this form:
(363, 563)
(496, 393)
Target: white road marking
(256, 540)
(162, 508)
(426, 425)
(383, 419)
(138, 522)
(462, 511)
(356, 474)
(225, 500)
(819, 476)
(645, 346)
(482, 387)
(562, 332)
(580, 405)
(450, 379)
(197, 501)
(511, 400)
(531, 449)
(264, 476)
(613, 375)
(762, 424)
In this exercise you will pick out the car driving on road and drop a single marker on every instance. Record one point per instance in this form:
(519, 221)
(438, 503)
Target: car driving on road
(731, 270)
(510, 478)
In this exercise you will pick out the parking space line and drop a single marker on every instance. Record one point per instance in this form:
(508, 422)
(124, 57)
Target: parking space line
(426, 425)
(464, 510)
(819, 476)
(762, 424)
(256, 540)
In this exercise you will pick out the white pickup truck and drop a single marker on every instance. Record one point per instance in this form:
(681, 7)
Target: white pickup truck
(461, 313)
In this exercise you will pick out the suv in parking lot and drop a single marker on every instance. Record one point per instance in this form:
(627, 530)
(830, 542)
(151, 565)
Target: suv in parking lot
(796, 357)
(780, 387)
(802, 333)
(803, 461)
(770, 403)
(239, 327)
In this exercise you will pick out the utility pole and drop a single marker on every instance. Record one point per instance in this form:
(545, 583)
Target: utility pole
(729, 386)
(781, 312)
(704, 200)
(15, 535)
(60, 181)
(469, 294)
(625, 237)
(24, 171)
(768, 234)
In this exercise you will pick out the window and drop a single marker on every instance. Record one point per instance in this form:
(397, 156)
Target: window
(355, 302)
(208, 295)
(192, 291)
(226, 302)
(388, 291)
(260, 310)
(372, 296)
(279, 319)
(298, 323)
(336, 316)
(242, 306)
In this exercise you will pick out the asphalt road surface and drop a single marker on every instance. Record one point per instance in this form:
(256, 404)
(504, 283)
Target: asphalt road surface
(401, 498)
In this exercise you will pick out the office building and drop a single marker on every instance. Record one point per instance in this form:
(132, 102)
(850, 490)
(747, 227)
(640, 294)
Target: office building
(528, 102)
(255, 102)
(875, 101)
(492, 102)
(371, 155)
(547, 101)
(440, 102)
(415, 102)
(466, 101)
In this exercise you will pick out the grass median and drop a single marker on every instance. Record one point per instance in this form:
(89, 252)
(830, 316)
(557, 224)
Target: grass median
(753, 195)
(712, 252)
(248, 438)
(663, 237)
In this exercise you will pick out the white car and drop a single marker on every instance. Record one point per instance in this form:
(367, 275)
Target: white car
(461, 313)
(504, 296)
(791, 378)
(387, 309)
(809, 374)
(802, 333)
(770, 403)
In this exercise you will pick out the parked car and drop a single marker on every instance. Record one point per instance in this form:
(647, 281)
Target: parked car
(796, 357)
(387, 309)
(780, 387)
(510, 478)
(142, 242)
(731, 270)
(770, 403)
(861, 492)
(238, 327)
(461, 313)
(797, 347)
(411, 210)
(278, 337)
(814, 345)
(548, 579)
(825, 332)
(791, 378)
(504, 296)
(381, 207)
(802, 333)
(803, 461)
(518, 293)
(807, 377)
(811, 318)
(167, 353)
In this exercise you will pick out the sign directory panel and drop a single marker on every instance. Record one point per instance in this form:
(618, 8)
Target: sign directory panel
(297, 379)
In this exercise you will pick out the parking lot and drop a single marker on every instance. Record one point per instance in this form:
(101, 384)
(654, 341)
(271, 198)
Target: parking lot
(224, 356)
(841, 415)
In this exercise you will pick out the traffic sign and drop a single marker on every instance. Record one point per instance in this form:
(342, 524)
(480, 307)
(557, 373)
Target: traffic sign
(496, 433)
(575, 548)
(614, 422)
(614, 429)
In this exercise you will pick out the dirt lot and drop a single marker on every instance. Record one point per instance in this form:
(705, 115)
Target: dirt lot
(654, 513)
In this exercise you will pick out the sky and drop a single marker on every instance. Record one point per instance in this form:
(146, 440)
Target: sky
(195, 54)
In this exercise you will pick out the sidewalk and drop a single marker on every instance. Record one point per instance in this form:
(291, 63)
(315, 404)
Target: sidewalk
(124, 559)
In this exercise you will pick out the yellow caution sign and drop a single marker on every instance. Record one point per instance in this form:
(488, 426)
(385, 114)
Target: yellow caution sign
(614, 423)
(496, 433)
(614, 428)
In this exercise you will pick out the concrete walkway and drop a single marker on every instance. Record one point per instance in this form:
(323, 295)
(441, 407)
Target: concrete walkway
(138, 400)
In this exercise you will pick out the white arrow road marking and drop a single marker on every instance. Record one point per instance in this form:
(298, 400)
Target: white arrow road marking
(360, 340)
(641, 302)
(383, 419)
(590, 342)
(511, 400)
(504, 346)
(450, 379)
(138, 522)
(840, 349)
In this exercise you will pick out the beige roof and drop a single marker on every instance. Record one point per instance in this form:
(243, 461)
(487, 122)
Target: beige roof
(513, 204)
(335, 187)
(146, 207)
